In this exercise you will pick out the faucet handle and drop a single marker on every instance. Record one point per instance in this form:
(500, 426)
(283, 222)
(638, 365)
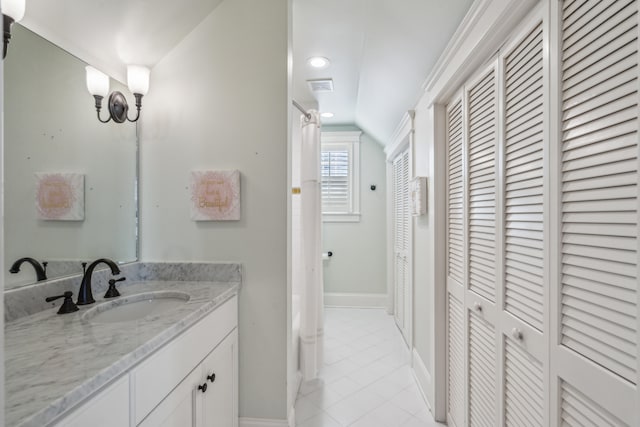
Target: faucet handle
(112, 291)
(67, 305)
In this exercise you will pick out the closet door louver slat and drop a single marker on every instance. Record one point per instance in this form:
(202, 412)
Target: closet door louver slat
(578, 410)
(482, 184)
(456, 362)
(599, 194)
(482, 373)
(523, 204)
(524, 388)
(455, 261)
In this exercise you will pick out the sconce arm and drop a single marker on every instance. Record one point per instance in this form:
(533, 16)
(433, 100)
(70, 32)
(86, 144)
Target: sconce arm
(98, 99)
(138, 97)
(7, 21)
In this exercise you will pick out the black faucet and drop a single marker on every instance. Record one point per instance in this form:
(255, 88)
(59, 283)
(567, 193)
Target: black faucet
(84, 294)
(15, 268)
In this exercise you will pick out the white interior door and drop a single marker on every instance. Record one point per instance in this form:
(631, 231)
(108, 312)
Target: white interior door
(525, 290)
(456, 256)
(596, 293)
(480, 100)
(402, 243)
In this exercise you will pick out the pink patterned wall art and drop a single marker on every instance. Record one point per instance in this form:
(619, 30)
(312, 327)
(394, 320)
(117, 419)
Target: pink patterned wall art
(215, 195)
(60, 196)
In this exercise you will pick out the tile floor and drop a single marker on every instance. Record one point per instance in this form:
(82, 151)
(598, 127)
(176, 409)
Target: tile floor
(366, 380)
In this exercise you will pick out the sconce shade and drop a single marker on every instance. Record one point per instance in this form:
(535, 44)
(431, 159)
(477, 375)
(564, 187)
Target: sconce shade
(14, 9)
(97, 82)
(138, 79)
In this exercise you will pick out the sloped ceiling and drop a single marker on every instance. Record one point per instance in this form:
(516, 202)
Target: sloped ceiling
(381, 52)
(109, 34)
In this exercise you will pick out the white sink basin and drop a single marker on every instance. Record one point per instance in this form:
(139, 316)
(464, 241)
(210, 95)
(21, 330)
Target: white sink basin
(134, 307)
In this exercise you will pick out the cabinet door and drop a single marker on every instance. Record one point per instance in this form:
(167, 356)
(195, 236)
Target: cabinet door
(157, 376)
(178, 408)
(110, 408)
(218, 405)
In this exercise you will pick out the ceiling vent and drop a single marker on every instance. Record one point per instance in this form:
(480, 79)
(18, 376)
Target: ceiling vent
(321, 85)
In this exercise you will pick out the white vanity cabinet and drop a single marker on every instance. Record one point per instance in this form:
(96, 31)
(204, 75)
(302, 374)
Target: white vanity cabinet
(168, 388)
(206, 397)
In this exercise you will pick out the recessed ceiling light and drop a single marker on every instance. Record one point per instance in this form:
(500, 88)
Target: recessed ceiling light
(326, 115)
(318, 62)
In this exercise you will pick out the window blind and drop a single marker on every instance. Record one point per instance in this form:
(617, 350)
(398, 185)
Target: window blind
(336, 185)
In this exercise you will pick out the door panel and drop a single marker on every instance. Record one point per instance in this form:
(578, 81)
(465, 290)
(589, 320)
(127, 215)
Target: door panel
(523, 196)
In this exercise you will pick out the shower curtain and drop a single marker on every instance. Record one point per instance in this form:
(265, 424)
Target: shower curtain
(311, 314)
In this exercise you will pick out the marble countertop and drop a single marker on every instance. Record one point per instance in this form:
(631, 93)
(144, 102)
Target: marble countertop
(53, 362)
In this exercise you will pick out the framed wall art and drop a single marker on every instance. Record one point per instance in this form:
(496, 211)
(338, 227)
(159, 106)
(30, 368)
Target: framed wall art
(60, 196)
(215, 195)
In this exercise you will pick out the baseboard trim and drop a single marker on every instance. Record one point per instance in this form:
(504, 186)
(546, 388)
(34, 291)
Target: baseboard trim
(298, 384)
(353, 300)
(262, 422)
(423, 378)
(292, 417)
(292, 410)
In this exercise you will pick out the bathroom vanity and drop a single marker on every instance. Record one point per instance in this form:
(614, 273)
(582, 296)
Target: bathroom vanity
(174, 367)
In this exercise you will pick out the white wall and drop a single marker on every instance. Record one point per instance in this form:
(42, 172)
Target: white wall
(51, 126)
(358, 264)
(423, 237)
(219, 101)
(429, 258)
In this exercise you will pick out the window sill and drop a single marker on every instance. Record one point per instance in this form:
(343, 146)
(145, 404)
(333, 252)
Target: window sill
(328, 217)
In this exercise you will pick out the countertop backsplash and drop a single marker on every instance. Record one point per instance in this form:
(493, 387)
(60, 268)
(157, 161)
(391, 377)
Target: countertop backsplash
(30, 299)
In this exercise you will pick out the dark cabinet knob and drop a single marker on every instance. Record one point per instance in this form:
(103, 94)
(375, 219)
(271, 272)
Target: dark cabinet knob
(203, 387)
(212, 377)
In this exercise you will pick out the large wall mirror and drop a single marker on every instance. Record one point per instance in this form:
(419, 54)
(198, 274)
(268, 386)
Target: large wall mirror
(52, 142)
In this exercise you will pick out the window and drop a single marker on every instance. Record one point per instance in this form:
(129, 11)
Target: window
(340, 174)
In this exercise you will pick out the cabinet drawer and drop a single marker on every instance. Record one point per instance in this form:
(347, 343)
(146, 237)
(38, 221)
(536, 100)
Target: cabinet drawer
(109, 408)
(154, 378)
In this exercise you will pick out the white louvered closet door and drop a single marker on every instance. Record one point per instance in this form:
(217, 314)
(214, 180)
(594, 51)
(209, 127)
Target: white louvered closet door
(523, 322)
(402, 241)
(456, 312)
(496, 318)
(597, 293)
(542, 274)
(481, 98)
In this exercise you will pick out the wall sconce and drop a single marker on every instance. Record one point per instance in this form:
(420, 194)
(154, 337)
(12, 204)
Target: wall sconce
(12, 11)
(98, 86)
